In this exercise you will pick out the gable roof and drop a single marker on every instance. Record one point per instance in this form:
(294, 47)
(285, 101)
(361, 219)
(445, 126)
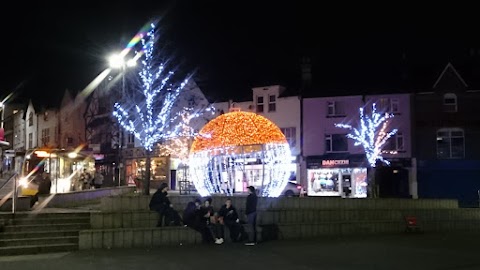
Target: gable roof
(449, 67)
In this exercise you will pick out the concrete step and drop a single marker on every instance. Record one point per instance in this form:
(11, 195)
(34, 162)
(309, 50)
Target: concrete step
(38, 241)
(47, 234)
(34, 249)
(46, 227)
(23, 215)
(50, 221)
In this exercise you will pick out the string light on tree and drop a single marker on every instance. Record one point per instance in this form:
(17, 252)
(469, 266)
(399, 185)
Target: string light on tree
(178, 144)
(147, 112)
(237, 149)
(372, 134)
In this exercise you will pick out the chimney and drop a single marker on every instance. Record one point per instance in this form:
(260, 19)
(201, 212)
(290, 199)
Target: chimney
(306, 67)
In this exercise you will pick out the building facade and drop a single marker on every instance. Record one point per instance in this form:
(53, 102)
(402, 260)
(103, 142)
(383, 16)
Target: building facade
(40, 142)
(9, 113)
(274, 103)
(19, 137)
(121, 155)
(446, 132)
(335, 166)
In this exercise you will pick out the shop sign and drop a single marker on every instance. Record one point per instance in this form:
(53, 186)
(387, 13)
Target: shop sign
(99, 156)
(334, 162)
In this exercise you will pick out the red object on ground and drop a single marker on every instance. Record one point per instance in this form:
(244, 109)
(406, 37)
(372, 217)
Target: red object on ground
(411, 221)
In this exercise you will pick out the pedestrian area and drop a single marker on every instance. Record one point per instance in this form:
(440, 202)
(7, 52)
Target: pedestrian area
(401, 251)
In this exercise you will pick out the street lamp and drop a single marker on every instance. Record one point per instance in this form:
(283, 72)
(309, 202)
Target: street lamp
(117, 61)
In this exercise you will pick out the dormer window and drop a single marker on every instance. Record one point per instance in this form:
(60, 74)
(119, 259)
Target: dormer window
(450, 102)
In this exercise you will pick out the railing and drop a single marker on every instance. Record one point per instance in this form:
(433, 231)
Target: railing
(6, 182)
(13, 194)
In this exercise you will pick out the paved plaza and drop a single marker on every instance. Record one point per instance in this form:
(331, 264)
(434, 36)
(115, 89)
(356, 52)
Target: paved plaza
(402, 251)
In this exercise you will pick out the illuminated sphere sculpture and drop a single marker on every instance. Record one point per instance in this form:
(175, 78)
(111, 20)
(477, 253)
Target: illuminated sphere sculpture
(240, 149)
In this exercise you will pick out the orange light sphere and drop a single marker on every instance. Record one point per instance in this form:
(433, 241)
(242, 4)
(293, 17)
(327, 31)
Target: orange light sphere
(237, 129)
(240, 149)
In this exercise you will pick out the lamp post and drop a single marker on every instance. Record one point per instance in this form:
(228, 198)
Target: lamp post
(117, 61)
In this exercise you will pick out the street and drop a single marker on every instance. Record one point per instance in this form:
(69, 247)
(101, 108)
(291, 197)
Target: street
(404, 251)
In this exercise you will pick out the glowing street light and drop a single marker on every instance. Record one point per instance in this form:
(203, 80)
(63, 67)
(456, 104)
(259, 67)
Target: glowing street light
(72, 155)
(116, 61)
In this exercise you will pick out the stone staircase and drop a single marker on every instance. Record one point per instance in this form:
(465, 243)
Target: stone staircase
(30, 233)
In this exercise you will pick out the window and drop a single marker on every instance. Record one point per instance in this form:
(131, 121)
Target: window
(291, 135)
(130, 140)
(69, 141)
(30, 140)
(336, 143)
(259, 104)
(271, 103)
(30, 119)
(394, 105)
(450, 102)
(192, 102)
(389, 105)
(45, 136)
(450, 143)
(395, 143)
(335, 108)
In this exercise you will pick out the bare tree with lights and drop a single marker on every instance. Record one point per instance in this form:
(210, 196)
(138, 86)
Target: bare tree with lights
(179, 144)
(372, 135)
(147, 112)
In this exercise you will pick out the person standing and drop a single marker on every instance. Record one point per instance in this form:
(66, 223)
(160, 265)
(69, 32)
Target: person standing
(44, 187)
(45, 184)
(98, 180)
(251, 212)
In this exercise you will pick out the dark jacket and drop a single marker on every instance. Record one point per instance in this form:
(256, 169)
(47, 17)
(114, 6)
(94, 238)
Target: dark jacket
(159, 201)
(251, 206)
(204, 211)
(229, 214)
(189, 215)
(45, 186)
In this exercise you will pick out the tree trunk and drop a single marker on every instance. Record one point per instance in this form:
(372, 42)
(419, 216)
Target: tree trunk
(372, 183)
(146, 180)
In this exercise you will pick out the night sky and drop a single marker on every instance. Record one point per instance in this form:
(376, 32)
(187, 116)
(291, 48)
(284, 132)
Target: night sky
(238, 45)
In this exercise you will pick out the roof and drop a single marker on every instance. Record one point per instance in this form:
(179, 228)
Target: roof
(448, 68)
(416, 78)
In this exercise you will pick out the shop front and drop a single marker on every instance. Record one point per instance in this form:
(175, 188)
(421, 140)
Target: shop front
(135, 167)
(342, 176)
(64, 169)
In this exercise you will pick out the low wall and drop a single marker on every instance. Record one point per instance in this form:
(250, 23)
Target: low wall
(139, 219)
(23, 204)
(140, 202)
(85, 196)
(138, 237)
